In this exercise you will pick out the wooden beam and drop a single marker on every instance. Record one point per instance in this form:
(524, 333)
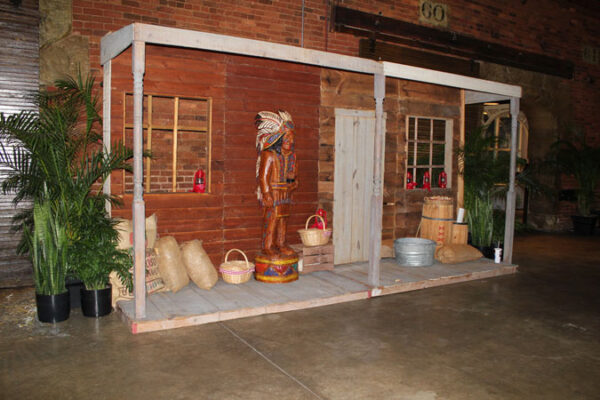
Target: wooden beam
(379, 27)
(474, 97)
(138, 206)
(382, 51)
(114, 43)
(460, 185)
(230, 44)
(509, 223)
(377, 196)
(445, 79)
(106, 106)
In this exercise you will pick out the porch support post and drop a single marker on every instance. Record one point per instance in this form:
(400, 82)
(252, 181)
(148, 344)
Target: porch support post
(139, 228)
(509, 223)
(377, 196)
(106, 93)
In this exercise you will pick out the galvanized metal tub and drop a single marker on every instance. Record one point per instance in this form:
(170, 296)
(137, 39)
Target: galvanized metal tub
(414, 252)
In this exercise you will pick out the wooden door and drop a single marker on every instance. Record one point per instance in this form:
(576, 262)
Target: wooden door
(353, 184)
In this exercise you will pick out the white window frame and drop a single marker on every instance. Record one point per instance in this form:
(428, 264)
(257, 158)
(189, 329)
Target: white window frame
(493, 114)
(448, 150)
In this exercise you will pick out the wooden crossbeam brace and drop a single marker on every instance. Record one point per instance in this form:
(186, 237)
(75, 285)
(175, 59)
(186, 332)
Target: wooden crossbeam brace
(377, 27)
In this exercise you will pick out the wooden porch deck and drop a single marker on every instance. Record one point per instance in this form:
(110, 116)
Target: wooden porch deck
(193, 306)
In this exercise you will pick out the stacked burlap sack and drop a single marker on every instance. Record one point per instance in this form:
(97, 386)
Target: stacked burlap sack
(169, 266)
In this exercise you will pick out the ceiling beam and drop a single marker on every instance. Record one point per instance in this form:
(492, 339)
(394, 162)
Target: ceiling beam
(377, 27)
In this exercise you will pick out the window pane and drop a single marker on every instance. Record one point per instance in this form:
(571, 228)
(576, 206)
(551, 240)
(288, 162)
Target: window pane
(423, 129)
(411, 128)
(435, 174)
(422, 153)
(504, 133)
(419, 176)
(411, 153)
(439, 130)
(438, 154)
(490, 131)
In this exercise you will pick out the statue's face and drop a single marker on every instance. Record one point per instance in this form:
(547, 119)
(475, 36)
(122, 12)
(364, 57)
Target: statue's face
(287, 142)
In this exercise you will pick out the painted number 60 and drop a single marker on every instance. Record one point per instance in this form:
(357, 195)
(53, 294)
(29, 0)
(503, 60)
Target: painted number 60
(433, 11)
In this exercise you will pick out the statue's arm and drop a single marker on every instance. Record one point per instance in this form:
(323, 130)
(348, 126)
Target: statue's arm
(264, 177)
(294, 183)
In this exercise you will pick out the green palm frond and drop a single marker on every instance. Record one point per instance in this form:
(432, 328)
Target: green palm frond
(54, 158)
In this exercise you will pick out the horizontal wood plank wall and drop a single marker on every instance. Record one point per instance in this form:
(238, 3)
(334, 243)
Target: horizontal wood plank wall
(339, 89)
(230, 215)
(255, 85)
(402, 207)
(179, 72)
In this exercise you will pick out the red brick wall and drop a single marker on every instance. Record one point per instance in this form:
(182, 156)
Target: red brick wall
(555, 28)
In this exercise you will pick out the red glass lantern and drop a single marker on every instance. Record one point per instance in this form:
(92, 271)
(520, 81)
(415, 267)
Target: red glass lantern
(199, 182)
(317, 224)
(409, 181)
(427, 181)
(442, 180)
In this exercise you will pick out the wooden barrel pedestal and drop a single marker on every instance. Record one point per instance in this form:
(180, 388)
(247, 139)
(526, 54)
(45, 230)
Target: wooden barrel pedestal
(276, 269)
(437, 219)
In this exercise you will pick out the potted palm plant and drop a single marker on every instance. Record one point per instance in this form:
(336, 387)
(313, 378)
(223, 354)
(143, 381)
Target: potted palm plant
(486, 178)
(581, 160)
(482, 172)
(54, 160)
(94, 255)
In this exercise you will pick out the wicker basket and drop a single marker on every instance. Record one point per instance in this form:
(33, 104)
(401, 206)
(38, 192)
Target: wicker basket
(236, 271)
(314, 236)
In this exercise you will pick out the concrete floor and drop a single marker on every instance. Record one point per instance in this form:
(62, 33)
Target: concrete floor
(533, 335)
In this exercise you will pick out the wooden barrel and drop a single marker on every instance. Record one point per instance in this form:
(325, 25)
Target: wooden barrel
(460, 233)
(437, 219)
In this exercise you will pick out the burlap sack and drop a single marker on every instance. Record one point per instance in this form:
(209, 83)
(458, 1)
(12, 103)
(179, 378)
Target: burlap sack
(198, 265)
(154, 282)
(124, 229)
(151, 231)
(457, 253)
(170, 264)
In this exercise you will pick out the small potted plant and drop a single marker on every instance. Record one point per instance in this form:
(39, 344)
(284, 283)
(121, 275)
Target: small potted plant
(94, 255)
(581, 160)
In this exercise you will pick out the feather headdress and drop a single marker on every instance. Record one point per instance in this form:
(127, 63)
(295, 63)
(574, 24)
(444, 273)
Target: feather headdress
(271, 127)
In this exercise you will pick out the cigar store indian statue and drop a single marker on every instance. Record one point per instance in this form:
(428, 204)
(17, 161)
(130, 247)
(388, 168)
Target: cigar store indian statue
(276, 172)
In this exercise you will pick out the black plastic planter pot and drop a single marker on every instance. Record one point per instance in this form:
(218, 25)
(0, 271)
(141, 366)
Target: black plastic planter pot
(584, 225)
(53, 308)
(74, 286)
(96, 303)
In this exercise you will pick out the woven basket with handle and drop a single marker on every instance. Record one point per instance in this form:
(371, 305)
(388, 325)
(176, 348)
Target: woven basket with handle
(236, 271)
(314, 236)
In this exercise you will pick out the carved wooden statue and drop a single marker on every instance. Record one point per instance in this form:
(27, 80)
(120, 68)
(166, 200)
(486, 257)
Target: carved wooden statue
(276, 172)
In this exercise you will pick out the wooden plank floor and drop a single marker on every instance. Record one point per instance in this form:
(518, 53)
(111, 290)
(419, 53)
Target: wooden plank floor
(194, 306)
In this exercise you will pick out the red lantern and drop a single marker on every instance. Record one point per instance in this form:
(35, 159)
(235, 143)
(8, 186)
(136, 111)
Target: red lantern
(409, 181)
(199, 182)
(427, 181)
(442, 180)
(317, 224)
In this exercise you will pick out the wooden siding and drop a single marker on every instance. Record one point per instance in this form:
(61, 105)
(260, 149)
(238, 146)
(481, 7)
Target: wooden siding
(401, 208)
(230, 215)
(19, 72)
